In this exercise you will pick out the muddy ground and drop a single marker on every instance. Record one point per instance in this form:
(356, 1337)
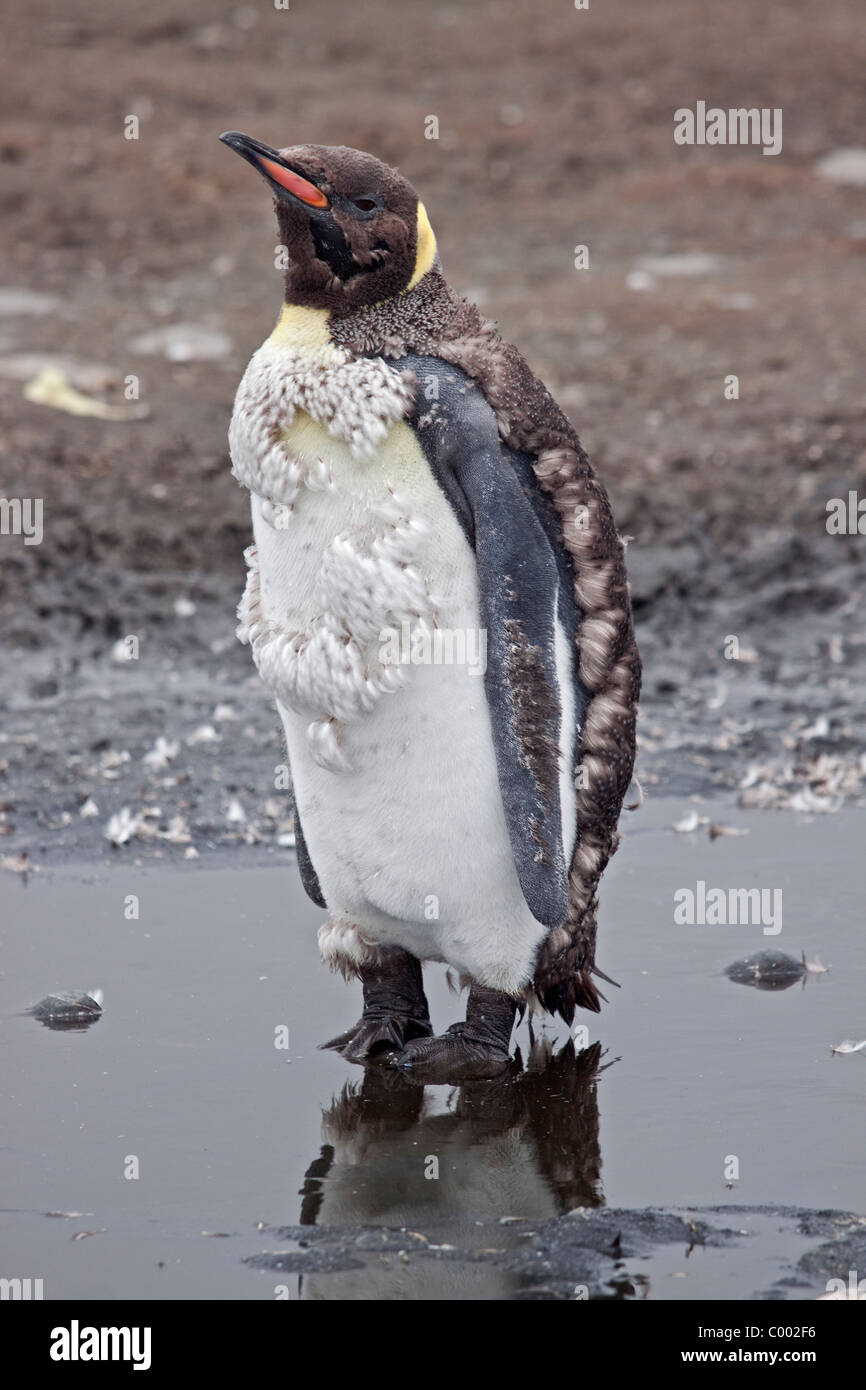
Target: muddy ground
(555, 130)
(585, 1254)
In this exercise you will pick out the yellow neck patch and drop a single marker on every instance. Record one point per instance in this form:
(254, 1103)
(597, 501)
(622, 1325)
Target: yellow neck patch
(426, 253)
(302, 330)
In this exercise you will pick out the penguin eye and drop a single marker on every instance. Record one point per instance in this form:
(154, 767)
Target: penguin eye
(366, 204)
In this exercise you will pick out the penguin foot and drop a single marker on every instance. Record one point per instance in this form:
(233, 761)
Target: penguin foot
(476, 1050)
(372, 1035)
(452, 1058)
(395, 1009)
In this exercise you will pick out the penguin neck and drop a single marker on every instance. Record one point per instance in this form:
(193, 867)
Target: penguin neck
(414, 321)
(304, 332)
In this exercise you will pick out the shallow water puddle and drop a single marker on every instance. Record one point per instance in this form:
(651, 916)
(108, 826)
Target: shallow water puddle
(174, 1124)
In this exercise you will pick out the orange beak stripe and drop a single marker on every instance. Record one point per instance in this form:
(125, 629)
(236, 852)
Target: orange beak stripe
(307, 192)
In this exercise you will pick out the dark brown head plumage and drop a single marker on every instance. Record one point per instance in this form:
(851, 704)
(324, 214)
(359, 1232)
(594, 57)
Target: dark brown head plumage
(349, 223)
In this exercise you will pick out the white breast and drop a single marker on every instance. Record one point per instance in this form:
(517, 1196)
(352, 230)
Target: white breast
(350, 561)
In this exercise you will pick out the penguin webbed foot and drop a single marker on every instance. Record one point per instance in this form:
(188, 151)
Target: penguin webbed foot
(373, 1035)
(395, 1010)
(450, 1058)
(474, 1050)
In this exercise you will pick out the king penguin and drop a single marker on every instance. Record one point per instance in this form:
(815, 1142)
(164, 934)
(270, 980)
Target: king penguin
(437, 600)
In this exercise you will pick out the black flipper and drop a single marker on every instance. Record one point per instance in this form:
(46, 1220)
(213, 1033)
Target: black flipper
(525, 583)
(309, 877)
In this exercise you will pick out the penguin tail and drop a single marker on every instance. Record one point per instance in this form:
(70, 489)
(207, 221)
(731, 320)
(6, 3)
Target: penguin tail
(568, 992)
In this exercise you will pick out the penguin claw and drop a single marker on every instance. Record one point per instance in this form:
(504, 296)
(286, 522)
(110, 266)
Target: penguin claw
(372, 1037)
(452, 1058)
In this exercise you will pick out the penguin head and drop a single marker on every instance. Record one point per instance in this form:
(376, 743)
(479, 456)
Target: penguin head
(354, 229)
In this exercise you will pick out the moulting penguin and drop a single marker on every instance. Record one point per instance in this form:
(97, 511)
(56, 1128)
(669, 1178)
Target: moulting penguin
(437, 599)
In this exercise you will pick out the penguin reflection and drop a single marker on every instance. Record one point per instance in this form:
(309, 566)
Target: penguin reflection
(523, 1145)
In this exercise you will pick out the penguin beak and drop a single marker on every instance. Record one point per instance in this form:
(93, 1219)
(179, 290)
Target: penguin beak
(270, 163)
